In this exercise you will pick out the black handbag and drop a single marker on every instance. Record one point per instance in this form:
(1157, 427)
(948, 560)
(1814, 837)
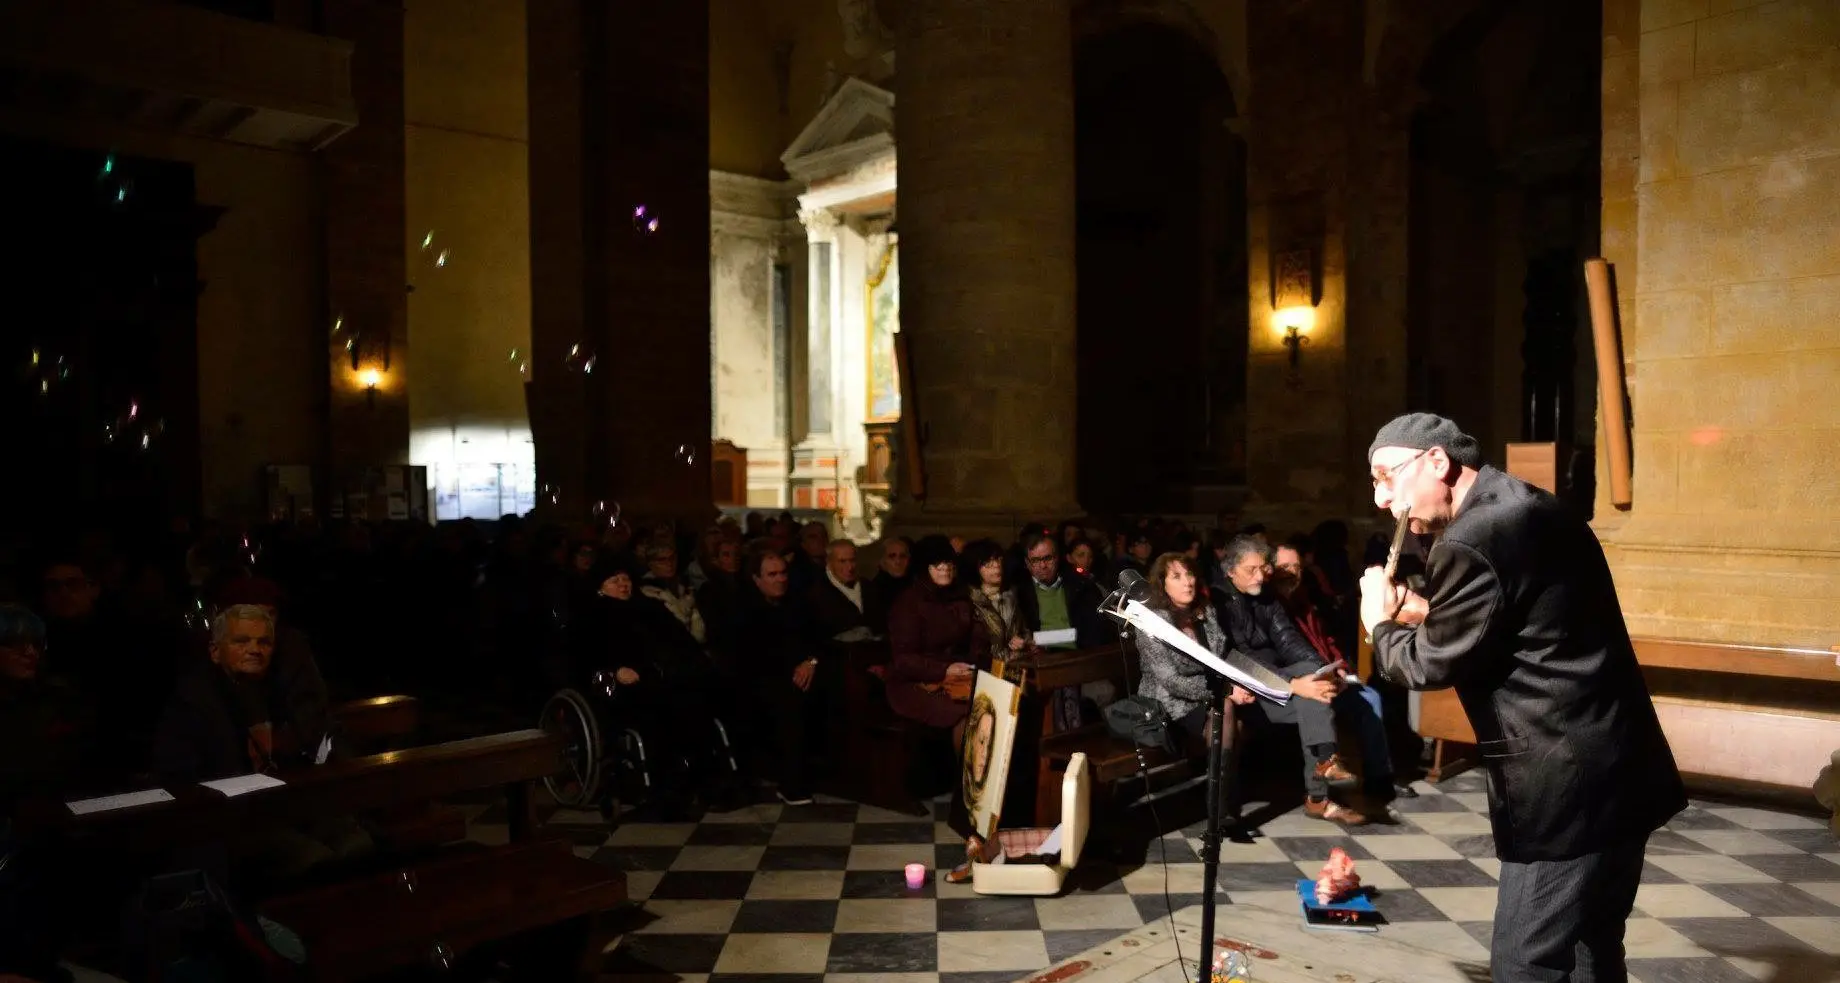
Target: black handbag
(1140, 720)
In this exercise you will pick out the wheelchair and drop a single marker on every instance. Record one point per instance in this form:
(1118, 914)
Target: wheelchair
(607, 761)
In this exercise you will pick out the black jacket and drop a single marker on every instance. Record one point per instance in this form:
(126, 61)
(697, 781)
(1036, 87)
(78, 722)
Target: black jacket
(204, 732)
(1258, 626)
(1524, 623)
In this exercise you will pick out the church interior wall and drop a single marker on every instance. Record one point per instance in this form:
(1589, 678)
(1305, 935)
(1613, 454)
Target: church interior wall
(468, 245)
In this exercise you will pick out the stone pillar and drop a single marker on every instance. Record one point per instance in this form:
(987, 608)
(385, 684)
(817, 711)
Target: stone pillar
(619, 120)
(987, 241)
(366, 273)
(1733, 533)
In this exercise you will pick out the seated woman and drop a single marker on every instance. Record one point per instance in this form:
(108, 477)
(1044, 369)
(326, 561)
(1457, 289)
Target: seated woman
(933, 639)
(1176, 682)
(981, 566)
(666, 687)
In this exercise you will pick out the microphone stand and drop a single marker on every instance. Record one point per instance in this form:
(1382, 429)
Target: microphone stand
(1210, 840)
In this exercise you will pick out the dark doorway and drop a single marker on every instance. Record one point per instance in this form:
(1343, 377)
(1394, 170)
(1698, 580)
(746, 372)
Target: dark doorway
(1162, 271)
(99, 337)
(1505, 209)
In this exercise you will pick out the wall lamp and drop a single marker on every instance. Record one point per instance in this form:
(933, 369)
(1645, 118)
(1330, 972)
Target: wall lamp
(370, 379)
(1293, 325)
(1294, 302)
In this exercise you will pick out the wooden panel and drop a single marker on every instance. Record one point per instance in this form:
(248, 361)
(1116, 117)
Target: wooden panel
(1536, 464)
(379, 719)
(1743, 660)
(728, 473)
(1725, 741)
(1441, 717)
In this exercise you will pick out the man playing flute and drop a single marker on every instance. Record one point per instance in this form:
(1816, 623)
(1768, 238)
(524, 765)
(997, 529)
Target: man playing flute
(1521, 618)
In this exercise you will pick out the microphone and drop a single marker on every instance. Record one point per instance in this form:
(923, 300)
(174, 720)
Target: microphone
(1133, 585)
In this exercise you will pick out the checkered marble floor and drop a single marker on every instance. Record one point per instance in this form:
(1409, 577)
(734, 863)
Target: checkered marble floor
(816, 892)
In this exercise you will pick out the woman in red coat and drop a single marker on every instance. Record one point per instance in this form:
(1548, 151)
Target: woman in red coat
(934, 640)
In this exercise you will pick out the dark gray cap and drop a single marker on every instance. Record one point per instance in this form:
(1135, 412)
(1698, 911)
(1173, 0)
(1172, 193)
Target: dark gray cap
(1423, 431)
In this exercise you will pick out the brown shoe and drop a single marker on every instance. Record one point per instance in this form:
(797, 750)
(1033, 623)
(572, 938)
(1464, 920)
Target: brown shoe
(1333, 812)
(1331, 770)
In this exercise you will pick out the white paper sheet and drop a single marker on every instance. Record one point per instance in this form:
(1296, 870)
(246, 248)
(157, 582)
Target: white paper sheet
(1237, 667)
(1059, 636)
(127, 800)
(243, 784)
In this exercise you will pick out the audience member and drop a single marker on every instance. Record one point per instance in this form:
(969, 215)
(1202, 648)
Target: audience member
(839, 601)
(781, 660)
(981, 568)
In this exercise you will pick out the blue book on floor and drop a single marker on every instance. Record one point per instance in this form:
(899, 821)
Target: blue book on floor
(1357, 914)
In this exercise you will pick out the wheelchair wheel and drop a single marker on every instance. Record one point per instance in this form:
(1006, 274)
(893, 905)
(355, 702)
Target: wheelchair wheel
(570, 716)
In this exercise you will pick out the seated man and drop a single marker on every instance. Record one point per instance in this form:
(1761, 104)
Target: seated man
(1301, 605)
(1256, 624)
(1055, 598)
(838, 600)
(232, 717)
(777, 650)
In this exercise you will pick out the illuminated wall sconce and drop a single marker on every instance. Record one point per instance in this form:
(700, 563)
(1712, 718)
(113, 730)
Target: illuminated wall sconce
(370, 379)
(1293, 325)
(1294, 301)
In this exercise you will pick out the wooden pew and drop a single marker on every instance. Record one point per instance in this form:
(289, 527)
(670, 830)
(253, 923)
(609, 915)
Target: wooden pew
(1753, 719)
(1110, 759)
(878, 745)
(197, 814)
(374, 724)
(453, 905)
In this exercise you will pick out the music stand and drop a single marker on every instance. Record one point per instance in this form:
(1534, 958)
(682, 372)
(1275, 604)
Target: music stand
(1234, 668)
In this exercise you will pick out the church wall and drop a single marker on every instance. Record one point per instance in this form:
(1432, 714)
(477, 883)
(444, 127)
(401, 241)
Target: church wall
(259, 317)
(746, 121)
(1734, 345)
(467, 178)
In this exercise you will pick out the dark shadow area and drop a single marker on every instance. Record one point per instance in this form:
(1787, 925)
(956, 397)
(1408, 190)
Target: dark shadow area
(1162, 270)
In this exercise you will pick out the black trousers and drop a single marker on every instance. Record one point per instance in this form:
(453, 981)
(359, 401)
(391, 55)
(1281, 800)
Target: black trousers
(1315, 728)
(1561, 921)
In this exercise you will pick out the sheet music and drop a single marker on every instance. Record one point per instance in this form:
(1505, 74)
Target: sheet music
(1236, 666)
(110, 803)
(243, 784)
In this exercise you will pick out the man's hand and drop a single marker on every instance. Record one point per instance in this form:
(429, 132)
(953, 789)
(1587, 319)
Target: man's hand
(1381, 599)
(1412, 612)
(1322, 690)
(625, 676)
(1018, 643)
(960, 670)
(801, 677)
(1241, 695)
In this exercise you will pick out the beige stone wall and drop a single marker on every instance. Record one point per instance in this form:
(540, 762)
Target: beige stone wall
(1733, 341)
(466, 163)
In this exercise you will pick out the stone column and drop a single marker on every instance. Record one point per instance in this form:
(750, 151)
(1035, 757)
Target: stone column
(987, 240)
(366, 273)
(617, 125)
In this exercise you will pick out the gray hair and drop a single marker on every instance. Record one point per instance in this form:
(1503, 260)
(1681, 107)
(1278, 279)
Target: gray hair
(836, 546)
(220, 625)
(1239, 546)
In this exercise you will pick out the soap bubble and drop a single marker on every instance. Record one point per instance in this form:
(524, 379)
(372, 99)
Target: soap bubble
(441, 260)
(606, 511)
(686, 454)
(338, 325)
(644, 221)
(579, 360)
(552, 494)
(427, 240)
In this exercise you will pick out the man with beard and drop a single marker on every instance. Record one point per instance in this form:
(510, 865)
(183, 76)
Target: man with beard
(1520, 616)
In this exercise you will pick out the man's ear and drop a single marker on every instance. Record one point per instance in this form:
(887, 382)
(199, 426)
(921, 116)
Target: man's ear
(1448, 471)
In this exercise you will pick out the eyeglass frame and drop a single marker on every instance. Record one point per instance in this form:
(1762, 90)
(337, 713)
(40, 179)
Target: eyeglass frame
(1388, 475)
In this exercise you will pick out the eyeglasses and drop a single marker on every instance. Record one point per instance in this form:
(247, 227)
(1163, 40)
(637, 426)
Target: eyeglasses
(1384, 476)
(1044, 558)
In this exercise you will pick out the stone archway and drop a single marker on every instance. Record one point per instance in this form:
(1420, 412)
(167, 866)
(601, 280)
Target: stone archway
(1161, 258)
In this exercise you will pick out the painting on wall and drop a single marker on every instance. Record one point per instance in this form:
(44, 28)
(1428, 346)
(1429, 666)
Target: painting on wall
(990, 740)
(883, 294)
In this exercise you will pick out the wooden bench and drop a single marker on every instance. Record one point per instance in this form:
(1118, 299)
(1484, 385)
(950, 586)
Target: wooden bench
(338, 788)
(380, 723)
(1752, 719)
(439, 911)
(879, 746)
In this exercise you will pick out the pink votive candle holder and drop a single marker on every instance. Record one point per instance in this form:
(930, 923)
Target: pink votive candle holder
(916, 876)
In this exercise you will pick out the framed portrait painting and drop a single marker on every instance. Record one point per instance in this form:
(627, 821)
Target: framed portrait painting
(990, 741)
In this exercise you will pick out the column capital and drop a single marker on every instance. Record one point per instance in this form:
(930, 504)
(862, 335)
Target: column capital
(820, 223)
